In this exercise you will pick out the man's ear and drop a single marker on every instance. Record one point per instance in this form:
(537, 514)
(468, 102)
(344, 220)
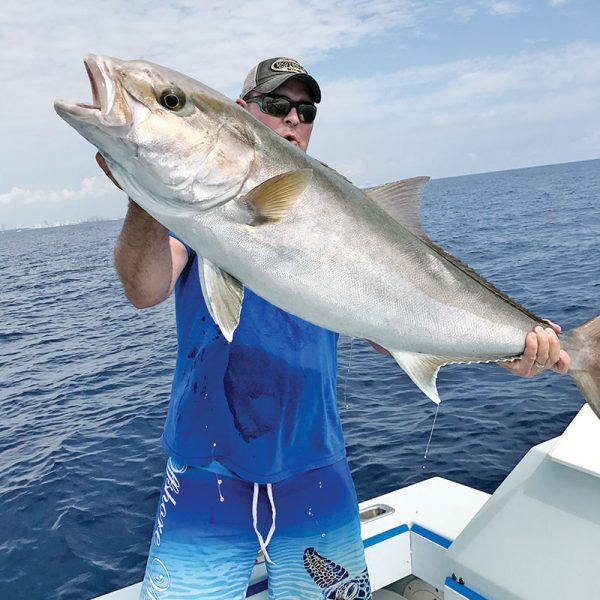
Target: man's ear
(241, 102)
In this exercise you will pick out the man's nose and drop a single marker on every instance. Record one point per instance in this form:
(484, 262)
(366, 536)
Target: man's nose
(292, 117)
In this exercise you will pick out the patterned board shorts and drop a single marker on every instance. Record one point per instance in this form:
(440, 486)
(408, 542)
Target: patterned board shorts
(209, 528)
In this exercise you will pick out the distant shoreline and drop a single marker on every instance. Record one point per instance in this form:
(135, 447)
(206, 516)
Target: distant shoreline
(38, 226)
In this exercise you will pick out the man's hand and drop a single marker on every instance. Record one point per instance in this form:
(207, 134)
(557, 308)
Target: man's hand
(102, 163)
(542, 351)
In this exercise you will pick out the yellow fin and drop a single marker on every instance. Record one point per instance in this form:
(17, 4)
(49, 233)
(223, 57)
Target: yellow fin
(272, 199)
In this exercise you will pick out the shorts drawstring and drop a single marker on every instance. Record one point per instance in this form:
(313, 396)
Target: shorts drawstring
(263, 543)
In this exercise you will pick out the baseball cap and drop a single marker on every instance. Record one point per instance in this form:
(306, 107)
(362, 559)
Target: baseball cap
(269, 74)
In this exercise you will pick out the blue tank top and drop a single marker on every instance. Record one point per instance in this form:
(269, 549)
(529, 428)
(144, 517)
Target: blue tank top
(264, 405)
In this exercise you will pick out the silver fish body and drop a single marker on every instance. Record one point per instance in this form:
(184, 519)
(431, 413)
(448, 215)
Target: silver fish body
(262, 214)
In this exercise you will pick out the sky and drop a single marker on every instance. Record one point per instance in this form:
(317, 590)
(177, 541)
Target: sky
(410, 87)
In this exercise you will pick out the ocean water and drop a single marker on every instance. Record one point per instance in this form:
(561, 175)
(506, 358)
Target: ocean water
(84, 379)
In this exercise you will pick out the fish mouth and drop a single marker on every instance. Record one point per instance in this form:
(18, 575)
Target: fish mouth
(109, 106)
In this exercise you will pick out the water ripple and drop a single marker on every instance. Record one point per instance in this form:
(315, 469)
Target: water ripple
(84, 379)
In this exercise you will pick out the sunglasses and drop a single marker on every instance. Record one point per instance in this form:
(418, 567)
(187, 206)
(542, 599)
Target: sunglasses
(280, 106)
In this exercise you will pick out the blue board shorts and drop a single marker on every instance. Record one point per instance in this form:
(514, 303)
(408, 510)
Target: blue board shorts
(210, 526)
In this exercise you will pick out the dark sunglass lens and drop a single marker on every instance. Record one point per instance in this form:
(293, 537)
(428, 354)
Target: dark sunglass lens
(307, 112)
(276, 106)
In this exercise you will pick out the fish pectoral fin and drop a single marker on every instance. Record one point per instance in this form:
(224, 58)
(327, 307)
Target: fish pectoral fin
(223, 295)
(272, 199)
(402, 201)
(422, 369)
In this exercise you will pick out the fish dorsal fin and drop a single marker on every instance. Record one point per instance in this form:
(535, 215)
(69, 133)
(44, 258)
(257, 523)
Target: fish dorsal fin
(272, 199)
(223, 295)
(423, 368)
(402, 201)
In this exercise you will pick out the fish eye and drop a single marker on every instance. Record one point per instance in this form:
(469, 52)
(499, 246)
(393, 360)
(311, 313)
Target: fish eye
(172, 99)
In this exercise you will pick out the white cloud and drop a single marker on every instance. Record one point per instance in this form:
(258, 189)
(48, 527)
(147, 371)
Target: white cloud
(464, 13)
(42, 46)
(90, 188)
(374, 128)
(557, 3)
(215, 42)
(504, 7)
(94, 197)
(465, 116)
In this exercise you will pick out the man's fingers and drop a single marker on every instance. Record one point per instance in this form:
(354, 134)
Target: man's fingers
(543, 350)
(524, 366)
(102, 164)
(557, 328)
(530, 354)
(563, 363)
(553, 348)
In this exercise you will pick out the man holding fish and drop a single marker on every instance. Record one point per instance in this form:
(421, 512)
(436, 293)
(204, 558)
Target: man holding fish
(256, 450)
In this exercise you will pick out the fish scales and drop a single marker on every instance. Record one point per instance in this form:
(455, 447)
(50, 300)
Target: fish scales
(262, 214)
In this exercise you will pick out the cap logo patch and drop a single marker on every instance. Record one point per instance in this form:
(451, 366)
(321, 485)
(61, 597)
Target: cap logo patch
(288, 65)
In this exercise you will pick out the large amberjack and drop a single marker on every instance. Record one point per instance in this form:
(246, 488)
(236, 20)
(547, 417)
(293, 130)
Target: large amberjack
(261, 213)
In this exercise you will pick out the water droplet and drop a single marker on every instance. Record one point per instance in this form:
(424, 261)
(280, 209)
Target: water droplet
(219, 482)
(323, 535)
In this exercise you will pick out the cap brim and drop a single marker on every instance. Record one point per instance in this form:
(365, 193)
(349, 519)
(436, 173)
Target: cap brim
(274, 82)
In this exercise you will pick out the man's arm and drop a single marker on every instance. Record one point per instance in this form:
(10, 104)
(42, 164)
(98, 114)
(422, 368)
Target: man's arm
(147, 259)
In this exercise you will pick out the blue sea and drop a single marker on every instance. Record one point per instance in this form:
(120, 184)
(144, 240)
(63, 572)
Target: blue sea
(84, 379)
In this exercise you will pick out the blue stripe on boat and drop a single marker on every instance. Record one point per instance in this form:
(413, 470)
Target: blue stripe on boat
(386, 535)
(434, 537)
(463, 590)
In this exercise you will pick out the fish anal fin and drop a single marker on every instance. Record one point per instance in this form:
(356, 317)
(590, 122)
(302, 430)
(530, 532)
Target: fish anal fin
(402, 201)
(423, 368)
(223, 295)
(272, 199)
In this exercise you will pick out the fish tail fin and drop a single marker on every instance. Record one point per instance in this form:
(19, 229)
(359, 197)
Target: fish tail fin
(583, 345)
